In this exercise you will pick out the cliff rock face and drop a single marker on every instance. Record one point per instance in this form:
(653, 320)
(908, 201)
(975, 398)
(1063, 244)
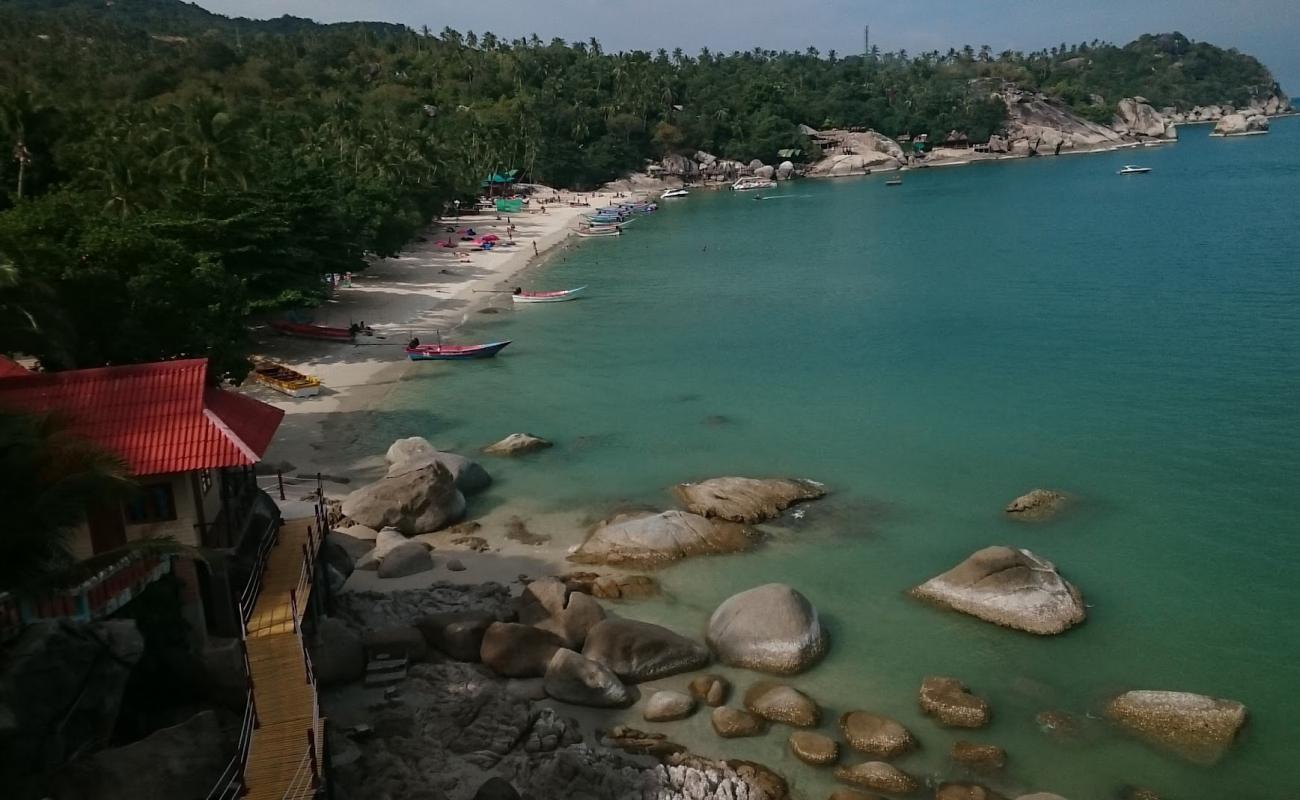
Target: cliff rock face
(1037, 124)
(1140, 119)
(855, 153)
(1241, 124)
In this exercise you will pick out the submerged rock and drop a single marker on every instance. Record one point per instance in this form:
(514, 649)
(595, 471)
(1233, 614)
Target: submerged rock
(417, 501)
(667, 705)
(517, 444)
(878, 777)
(1197, 727)
(948, 701)
(771, 628)
(814, 748)
(639, 651)
(1037, 506)
(570, 678)
(876, 735)
(777, 702)
(734, 723)
(1008, 587)
(965, 791)
(655, 539)
(747, 500)
(980, 757)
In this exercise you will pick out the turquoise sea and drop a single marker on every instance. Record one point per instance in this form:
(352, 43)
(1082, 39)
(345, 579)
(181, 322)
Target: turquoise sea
(930, 352)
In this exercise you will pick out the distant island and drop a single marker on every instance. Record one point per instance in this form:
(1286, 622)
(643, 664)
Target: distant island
(202, 168)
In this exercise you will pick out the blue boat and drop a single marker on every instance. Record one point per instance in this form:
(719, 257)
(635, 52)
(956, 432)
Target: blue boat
(454, 352)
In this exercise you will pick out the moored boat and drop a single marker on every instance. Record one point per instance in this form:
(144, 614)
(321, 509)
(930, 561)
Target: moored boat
(285, 380)
(671, 193)
(547, 297)
(453, 352)
(310, 331)
(894, 182)
(599, 234)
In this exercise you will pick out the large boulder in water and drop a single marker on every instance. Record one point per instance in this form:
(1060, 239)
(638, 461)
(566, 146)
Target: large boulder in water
(876, 735)
(548, 604)
(648, 539)
(770, 628)
(640, 651)
(517, 444)
(777, 702)
(747, 500)
(415, 452)
(420, 500)
(1133, 116)
(735, 723)
(1008, 587)
(570, 678)
(948, 701)
(1194, 726)
(814, 748)
(1238, 124)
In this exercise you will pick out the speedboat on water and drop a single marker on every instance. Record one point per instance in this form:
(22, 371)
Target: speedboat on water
(671, 193)
(1134, 170)
(753, 182)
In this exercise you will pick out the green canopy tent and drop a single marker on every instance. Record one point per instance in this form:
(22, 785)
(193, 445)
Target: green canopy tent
(500, 182)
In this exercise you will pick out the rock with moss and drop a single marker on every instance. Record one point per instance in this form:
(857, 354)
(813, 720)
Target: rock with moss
(748, 500)
(952, 704)
(876, 735)
(776, 702)
(1194, 726)
(878, 777)
(1008, 587)
(814, 748)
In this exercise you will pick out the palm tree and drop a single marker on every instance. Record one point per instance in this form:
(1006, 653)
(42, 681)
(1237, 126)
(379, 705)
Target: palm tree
(50, 477)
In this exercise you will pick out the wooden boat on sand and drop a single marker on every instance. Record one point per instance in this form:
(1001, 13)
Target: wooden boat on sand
(285, 380)
(453, 352)
(547, 297)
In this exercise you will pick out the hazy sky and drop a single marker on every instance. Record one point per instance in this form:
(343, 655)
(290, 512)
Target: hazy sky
(1269, 29)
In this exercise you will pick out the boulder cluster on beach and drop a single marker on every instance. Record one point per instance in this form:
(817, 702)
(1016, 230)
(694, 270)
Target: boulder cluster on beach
(556, 640)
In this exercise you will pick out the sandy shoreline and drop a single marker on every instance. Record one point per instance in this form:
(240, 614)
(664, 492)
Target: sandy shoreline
(427, 288)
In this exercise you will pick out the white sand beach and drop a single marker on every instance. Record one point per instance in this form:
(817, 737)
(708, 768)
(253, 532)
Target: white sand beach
(425, 289)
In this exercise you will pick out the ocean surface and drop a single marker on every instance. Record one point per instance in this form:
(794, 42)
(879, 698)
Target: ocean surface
(930, 352)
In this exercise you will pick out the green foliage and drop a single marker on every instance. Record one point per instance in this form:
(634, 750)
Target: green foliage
(181, 170)
(48, 477)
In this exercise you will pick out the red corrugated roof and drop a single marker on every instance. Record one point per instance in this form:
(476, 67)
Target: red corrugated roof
(9, 368)
(160, 418)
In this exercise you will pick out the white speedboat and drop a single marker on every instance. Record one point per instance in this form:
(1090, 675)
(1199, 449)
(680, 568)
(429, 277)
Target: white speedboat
(751, 183)
(671, 193)
(1134, 170)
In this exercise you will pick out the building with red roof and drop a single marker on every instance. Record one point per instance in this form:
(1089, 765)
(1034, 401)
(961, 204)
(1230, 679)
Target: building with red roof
(190, 446)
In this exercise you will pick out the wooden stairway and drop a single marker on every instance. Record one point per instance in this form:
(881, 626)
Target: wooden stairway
(284, 750)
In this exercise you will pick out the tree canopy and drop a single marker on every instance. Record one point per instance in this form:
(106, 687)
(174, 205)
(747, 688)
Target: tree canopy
(173, 171)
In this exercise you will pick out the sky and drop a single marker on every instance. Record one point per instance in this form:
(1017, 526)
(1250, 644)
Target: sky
(1267, 29)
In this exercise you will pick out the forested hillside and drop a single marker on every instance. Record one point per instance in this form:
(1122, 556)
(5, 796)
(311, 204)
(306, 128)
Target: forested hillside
(167, 171)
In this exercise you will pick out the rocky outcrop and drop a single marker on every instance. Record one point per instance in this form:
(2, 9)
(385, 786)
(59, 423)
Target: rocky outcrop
(517, 444)
(965, 791)
(979, 757)
(1037, 505)
(656, 539)
(856, 153)
(814, 748)
(338, 655)
(776, 702)
(878, 777)
(407, 558)
(712, 690)
(785, 171)
(396, 640)
(456, 634)
(948, 701)
(735, 723)
(667, 705)
(640, 651)
(876, 735)
(1008, 587)
(549, 605)
(518, 651)
(1240, 125)
(570, 678)
(416, 452)
(1038, 124)
(419, 500)
(771, 628)
(1194, 726)
(61, 687)
(1136, 118)
(184, 760)
(748, 500)
(385, 541)
(765, 171)
(611, 587)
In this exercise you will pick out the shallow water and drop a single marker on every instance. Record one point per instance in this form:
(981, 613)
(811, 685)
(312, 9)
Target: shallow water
(931, 351)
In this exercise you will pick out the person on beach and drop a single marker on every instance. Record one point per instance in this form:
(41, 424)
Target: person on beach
(518, 290)
(535, 248)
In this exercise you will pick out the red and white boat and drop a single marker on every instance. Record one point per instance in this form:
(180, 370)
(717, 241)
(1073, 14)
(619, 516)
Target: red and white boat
(310, 331)
(453, 352)
(547, 297)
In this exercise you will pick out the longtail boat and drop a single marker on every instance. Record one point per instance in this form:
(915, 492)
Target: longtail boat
(309, 331)
(547, 297)
(285, 380)
(453, 352)
(595, 234)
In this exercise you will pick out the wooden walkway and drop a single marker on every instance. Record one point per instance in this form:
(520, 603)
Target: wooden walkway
(282, 765)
